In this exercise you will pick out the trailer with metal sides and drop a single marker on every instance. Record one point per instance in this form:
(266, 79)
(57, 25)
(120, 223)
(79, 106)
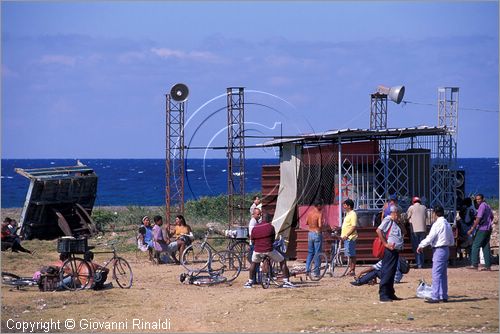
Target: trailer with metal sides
(59, 202)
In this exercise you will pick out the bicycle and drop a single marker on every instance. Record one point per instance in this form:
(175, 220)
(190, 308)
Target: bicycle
(17, 281)
(202, 257)
(223, 267)
(77, 273)
(337, 257)
(242, 249)
(270, 271)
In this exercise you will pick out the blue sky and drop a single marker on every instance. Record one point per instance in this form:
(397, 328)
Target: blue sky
(88, 80)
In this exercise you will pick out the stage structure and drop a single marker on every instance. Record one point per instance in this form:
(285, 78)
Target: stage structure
(236, 156)
(369, 165)
(174, 191)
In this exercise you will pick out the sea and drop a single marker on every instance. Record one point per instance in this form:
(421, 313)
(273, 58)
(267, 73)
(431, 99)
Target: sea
(124, 182)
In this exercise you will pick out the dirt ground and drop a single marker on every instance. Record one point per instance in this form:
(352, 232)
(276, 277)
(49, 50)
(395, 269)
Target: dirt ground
(331, 305)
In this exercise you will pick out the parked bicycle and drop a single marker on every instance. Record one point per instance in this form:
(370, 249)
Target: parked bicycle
(202, 257)
(77, 273)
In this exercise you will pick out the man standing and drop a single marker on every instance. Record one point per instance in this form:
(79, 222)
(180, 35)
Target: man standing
(416, 214)
(314, 222)
(349, 234)
(391, 235)
(440, 238)
(256, 204)
(484, 219)
(263, 236)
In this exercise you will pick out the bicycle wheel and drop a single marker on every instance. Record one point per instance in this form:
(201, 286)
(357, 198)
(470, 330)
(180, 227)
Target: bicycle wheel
(242, 249)
(75, 274)
(195, 257)
(265, 274)
(9, 278)
(122, 273)
(339, 265)
(226, 264)
(322, 264)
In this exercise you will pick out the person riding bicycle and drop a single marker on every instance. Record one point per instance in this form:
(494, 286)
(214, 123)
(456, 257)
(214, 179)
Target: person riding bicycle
(263, 236)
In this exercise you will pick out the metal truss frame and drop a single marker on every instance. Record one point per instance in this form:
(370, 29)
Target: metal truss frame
(175, 168)
(236, 156)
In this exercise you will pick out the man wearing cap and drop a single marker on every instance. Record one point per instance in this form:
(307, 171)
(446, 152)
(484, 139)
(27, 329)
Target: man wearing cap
(391, 234)
(416, 215)
(440, 238)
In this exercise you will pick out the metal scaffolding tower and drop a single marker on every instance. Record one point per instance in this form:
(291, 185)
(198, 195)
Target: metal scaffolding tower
(445, 180)
(378, 111)
(235, 156)
(174, 158)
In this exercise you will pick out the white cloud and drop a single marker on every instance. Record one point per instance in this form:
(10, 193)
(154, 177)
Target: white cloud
(192, 55)
(58, 59)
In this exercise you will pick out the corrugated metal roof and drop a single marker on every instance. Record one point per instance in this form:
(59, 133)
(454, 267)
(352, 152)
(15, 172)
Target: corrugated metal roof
(344, 135)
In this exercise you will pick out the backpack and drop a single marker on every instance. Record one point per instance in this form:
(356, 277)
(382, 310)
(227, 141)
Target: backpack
(378, 247)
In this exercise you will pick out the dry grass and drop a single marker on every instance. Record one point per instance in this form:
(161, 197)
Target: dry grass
(331, 305)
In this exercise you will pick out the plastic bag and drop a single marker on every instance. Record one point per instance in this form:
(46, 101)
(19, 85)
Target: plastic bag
(424, 290)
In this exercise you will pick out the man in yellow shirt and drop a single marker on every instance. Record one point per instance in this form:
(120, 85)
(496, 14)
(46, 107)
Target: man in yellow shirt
(349, 234)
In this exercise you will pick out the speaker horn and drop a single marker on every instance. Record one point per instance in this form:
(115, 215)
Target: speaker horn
(395, 93)
(179, 92)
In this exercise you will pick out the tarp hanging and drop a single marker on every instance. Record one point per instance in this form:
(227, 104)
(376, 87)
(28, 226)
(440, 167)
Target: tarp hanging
(287, 195)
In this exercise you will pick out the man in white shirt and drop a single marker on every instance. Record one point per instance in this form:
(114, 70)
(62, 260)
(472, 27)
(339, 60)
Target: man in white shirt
(440, 238)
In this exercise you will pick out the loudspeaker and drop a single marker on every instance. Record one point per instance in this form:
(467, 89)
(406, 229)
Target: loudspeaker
(179, 92)
(395, 94)
(460, 186)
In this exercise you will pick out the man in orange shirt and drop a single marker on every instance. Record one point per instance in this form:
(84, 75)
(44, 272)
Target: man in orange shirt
(314, 222)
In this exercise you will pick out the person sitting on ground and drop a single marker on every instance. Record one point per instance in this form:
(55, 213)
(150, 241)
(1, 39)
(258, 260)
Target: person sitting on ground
(161, 240)
(263, 236)
(183, 235)
(13, 228)
(100, 273)
(145, 236)
(10, 240)
(370, 274)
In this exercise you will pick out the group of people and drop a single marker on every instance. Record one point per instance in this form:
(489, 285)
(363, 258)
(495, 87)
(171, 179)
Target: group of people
(391, 231)
(159, 240)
